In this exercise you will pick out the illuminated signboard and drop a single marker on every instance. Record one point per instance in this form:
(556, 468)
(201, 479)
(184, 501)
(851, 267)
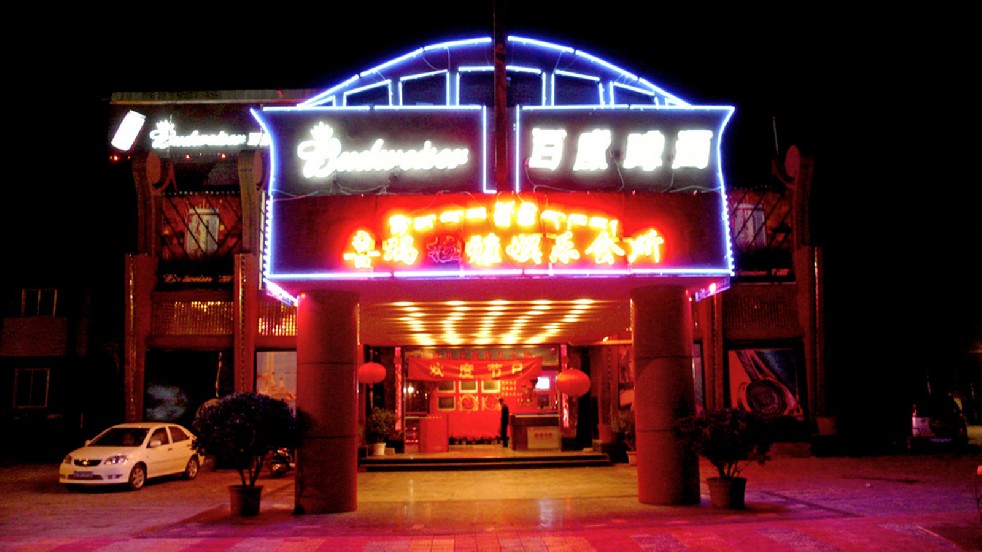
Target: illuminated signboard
(661, 149)
(351, 150)
(497, 234)
(187, 129)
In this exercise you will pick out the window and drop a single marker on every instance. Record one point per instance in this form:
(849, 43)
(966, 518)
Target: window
(425, 90)
(748, 227)
(178, 434)
(160, 435)
(38, 302)
(202, 234)
(31, 387)
(445, 403)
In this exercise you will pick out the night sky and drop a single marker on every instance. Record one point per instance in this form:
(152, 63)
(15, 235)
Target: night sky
(872, 96)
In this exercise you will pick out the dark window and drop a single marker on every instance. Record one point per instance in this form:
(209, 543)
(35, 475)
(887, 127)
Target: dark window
(626, 96)
(431, 90)
(477, 88)
(376, 95)
(31, 387)
(575, 91)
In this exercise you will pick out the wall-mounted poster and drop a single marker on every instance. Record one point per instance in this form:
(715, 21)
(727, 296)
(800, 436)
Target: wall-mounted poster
(468, 386)
(765, 381)
(446, 387)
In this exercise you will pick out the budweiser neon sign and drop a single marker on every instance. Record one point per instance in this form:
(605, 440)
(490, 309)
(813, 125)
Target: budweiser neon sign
(324, 154)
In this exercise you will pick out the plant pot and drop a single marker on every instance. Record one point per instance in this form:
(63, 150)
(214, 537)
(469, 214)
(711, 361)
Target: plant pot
(632, 458)
(244, 500)
(378, 449)
(727, 493)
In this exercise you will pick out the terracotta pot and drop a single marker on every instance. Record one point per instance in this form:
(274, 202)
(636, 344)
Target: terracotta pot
(244, 500)
(632, 458)
(727, 493)
(378, 449)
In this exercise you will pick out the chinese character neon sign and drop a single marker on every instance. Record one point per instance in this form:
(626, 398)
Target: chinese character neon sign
(505, 233)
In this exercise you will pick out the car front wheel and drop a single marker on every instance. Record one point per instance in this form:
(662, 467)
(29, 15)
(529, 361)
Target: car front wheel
(138, 476)
(191, 470)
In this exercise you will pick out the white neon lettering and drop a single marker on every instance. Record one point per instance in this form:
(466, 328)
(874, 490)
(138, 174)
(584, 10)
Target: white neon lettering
(547, 148)
(591, 152)
(692, 149)
(642, 150)
(645, 150)
(165, 136)
(324, 155)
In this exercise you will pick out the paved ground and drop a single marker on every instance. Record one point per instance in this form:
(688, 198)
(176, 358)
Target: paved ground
(911, 502)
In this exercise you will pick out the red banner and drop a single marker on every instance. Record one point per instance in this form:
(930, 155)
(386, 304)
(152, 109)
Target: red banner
(441, 369)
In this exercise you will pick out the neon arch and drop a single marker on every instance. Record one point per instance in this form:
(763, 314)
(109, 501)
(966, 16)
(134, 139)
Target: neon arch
(552, 64)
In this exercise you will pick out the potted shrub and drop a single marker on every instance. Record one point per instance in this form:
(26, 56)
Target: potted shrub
(381, 424)
(240, 429)
(729, 438)
(622, 425)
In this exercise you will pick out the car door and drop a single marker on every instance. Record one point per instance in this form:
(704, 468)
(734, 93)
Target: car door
(160, 459)
(181, 442)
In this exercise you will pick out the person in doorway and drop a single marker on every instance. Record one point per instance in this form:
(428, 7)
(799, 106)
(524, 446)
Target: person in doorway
(504, 422)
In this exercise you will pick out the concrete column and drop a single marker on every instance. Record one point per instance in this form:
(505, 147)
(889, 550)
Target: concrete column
(327, 389)
(139, 284)
(663, 392)
(246, 301)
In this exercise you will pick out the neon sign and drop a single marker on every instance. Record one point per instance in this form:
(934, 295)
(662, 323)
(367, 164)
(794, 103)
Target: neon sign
(619, 149)
(165, 136)
(507, 232)
(324, 155)
(458, 235)
(643, 150)
(359, 150)
(443, 369)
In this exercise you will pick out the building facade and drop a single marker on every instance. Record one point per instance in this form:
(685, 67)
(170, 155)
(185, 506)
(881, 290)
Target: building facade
(203, 317)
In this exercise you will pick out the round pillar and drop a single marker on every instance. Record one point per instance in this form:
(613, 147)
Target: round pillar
(663, 392)
(327, 394)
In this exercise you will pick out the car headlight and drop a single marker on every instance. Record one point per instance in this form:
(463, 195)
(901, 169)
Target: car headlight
(117, 459)
(67, 459)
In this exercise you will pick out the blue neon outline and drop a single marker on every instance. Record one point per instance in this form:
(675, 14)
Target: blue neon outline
(452, 97)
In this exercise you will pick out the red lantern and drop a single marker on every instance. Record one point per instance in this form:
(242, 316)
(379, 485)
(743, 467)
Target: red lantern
(573, 382)
(371, 372)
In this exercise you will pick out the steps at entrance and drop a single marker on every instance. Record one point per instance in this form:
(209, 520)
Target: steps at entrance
(446, 462)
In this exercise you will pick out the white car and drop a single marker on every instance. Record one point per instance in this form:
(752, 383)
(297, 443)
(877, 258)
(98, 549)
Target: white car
(131, 454)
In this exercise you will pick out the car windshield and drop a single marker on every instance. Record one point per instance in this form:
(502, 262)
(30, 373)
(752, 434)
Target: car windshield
(120, 437)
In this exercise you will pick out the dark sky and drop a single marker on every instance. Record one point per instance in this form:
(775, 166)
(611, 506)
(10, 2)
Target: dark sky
(872, 96)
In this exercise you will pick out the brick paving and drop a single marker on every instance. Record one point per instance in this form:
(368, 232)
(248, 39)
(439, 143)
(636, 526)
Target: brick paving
(909, 502)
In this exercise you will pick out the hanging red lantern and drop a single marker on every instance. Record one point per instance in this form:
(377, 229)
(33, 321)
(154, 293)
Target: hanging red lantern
(371, 372)
(573, 382)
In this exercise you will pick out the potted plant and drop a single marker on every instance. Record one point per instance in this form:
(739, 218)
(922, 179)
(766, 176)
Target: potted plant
(381, 423)
(729, 438)
(622, 425)
(240, 429)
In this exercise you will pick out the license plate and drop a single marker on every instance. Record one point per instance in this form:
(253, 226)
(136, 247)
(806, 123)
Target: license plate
(82, 475)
